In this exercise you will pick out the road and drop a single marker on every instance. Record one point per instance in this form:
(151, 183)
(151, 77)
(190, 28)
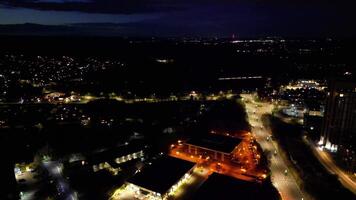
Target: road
(284, 182)
(330, 165)
(54, 169)
(88, 98)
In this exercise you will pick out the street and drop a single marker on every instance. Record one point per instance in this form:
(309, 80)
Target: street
(281, 179)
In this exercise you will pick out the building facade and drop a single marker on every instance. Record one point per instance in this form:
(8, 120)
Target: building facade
(339, 126)
(216, 147)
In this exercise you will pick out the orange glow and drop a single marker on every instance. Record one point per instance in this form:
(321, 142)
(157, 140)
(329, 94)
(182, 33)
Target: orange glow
(227, 167)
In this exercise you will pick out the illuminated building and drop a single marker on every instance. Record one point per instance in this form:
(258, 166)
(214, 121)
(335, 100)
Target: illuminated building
(160, 179)
(112, 158)
(8, 182)
(304, 84)
(339, 125)
(216, 147)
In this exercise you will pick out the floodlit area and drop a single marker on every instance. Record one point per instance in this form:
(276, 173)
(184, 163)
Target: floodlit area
(183, 188)
(191, 184)
(25, 173)
(300, 84)
(132, 192)
(241, 163)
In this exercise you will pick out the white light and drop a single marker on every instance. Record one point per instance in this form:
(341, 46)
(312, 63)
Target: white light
(321, 141)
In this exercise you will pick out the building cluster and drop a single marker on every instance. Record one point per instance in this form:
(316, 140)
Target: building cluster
(189, 164)
(304, 95)
(328, 113)
(35, 73)
(114, 161)
(303, 100)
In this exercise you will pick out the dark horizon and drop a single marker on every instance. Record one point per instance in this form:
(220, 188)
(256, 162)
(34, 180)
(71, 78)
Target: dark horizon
(172, 99)
(178, 18)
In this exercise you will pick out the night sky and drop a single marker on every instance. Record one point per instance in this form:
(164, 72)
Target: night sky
(221, 18)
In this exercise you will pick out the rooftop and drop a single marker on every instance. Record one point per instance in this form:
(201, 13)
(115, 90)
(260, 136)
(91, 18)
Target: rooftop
(162, 174)
(211, 189)
(111, 154)
(216, 142)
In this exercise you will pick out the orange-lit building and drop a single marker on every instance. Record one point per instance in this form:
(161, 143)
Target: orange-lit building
(216, 147)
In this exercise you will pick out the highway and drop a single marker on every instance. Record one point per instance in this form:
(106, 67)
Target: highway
(281, 178)
(328, 162)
